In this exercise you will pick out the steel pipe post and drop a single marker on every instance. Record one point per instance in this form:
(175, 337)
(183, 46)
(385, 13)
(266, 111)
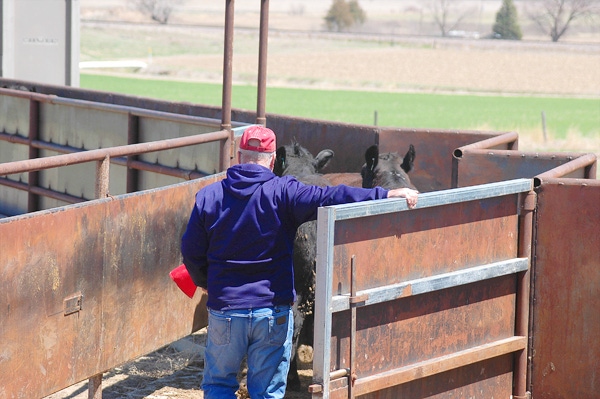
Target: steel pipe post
(528, 205)
(262, 63)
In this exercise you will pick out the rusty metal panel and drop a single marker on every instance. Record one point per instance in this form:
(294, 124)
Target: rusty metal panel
(486, 166)
(434, 148)
(348, 142)
(86, 287)
(423, 327)
(432, 240)
(566, 290)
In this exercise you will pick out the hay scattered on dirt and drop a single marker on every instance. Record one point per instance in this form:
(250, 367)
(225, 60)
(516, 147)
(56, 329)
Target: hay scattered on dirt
(173, 372)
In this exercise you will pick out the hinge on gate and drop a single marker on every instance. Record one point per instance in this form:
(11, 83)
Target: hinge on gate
(528, 202)
(526, 396)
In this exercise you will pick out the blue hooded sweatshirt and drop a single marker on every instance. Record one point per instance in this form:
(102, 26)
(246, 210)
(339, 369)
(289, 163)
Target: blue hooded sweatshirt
(240, 236)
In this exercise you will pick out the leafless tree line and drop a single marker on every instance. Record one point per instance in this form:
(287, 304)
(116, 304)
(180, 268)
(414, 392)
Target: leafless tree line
(159, 10)
(552, 17)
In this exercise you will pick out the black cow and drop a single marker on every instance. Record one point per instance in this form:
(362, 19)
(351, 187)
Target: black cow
(388, 170)
(297, 161)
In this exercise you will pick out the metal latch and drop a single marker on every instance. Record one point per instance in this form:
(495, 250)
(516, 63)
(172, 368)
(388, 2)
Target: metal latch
(72, 304)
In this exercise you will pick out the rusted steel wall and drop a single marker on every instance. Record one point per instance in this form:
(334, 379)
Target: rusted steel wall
(566, 290)
(486, 166)
(434, 149)
(86, 287)
(399, 342)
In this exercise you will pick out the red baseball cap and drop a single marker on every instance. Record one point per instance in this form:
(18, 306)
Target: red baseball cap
(264, 135)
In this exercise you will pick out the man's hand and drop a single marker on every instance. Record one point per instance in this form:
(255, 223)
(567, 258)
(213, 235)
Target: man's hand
(408, 193)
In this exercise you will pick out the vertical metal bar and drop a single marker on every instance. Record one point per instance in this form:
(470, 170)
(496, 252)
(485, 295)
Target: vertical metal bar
(95, 387)
(33, 200)
(133, 137)
(262, 63)
(352, 375)
(227, 152)
(528, 201)
(227, 66)
(323, 294)
(102, 176)
(68, 43)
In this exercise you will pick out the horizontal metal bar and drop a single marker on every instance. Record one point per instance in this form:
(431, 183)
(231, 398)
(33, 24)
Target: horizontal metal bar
(114, 108)
(438, 365)
(139, 165)
(578, 163)
(433, 283)
(333, 375)
(506, 138)
(437, 198)
(69, 199)
(99, 154)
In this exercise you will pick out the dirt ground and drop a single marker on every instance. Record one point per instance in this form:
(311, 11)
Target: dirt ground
(173, 372)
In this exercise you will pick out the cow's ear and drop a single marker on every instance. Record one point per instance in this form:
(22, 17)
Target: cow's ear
(322, 159)
(372, 157)
(409, 159)
(280, 156)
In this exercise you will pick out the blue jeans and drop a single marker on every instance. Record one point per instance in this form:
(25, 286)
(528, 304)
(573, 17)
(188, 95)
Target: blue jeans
(264, 335)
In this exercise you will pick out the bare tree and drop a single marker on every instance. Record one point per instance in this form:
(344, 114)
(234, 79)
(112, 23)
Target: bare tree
(448, 14)
(554, 17)
(158, 10)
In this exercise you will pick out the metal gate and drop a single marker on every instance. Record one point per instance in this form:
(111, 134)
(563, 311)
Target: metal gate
(425, 302)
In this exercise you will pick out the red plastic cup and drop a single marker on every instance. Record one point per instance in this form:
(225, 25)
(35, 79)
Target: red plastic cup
(182, 278)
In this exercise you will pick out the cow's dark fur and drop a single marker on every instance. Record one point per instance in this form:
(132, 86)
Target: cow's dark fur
(388, 170)
(297, 161)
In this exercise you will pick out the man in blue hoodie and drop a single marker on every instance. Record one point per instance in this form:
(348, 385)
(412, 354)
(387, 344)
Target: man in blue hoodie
(238, 248)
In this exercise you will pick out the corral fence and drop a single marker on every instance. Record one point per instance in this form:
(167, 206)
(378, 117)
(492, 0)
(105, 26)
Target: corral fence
(490, 295)
(430, 300)
(84, 281)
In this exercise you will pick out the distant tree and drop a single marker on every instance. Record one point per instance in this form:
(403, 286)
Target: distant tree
(158, 10)
(358, 14)
(448, 14)
(507, 25)
(343, 14)
(554, 17)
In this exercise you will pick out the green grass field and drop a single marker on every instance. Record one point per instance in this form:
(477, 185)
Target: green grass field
(572, 124)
